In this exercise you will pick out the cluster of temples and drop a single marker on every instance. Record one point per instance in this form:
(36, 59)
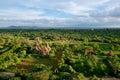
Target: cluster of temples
(40, 49)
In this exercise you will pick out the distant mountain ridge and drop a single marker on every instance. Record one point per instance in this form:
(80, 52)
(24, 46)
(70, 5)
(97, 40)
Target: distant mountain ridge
(39, 27)
(22, 27)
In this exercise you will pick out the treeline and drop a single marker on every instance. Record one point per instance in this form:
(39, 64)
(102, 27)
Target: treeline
(91, 35)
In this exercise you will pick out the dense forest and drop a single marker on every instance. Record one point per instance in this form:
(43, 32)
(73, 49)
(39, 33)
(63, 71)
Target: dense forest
(59, 54)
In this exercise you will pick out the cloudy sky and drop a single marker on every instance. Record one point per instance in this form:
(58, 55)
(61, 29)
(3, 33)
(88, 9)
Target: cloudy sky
(60, 13)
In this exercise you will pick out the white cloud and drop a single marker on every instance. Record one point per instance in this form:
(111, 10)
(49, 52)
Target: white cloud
(20, 14)
(81, 7)
(109, 11)
(73, 8)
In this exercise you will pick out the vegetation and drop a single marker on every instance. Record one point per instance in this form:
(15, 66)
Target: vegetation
(57, 54)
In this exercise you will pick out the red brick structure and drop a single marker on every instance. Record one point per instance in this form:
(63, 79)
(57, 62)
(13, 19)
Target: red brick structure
(41, 50)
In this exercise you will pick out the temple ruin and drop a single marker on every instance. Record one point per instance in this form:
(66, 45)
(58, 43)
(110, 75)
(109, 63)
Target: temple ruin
(40, 49)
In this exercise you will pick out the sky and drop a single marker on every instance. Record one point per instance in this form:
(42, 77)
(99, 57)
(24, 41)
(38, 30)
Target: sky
(60, 13)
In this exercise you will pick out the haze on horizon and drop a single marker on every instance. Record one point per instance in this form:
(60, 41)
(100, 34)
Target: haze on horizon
(60, 13)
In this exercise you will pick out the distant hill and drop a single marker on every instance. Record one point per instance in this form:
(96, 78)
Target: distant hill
(22, 27)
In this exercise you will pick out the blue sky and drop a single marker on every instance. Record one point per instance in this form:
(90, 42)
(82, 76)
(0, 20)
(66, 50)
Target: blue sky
(60, 13)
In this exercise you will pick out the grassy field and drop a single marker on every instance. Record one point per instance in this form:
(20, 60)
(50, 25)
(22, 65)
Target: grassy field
(29, 64)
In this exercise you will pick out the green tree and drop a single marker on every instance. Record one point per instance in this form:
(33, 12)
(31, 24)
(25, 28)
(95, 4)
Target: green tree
(80, 76)
(22, 53)
(94, 77)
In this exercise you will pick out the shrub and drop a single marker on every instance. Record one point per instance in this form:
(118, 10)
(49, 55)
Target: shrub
(53, 77)
(42, 75)
(22, 53)
(80, 76)
(94, 77)
(15, 78)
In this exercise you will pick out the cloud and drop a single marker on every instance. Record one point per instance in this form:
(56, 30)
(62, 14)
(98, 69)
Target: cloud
(20, 14)
(73, 9)
(108, 12)
(81, 7)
